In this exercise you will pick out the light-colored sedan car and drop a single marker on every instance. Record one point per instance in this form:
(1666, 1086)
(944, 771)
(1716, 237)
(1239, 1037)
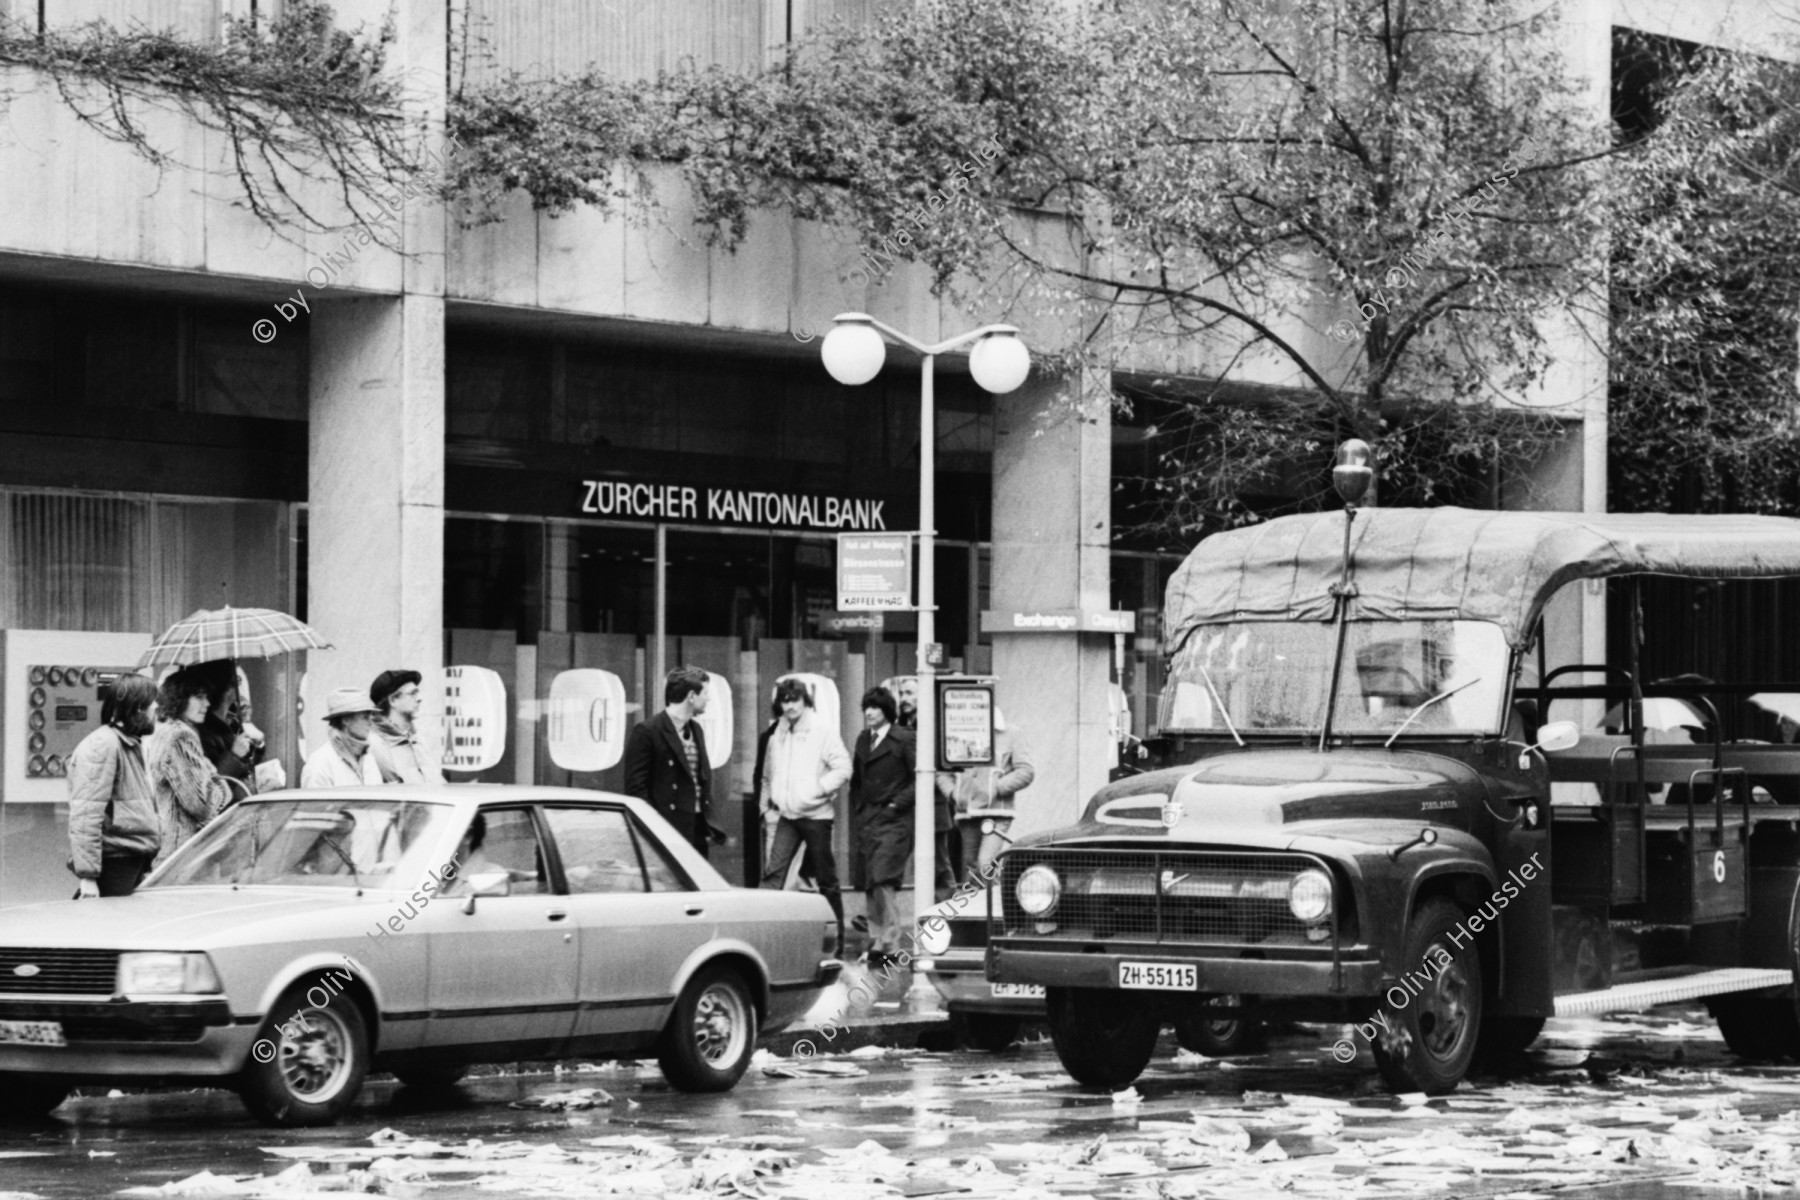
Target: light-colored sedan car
(305, 938)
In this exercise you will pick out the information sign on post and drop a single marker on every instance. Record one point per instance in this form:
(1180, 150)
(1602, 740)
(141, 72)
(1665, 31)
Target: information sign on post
(874, 571)
(965, 706)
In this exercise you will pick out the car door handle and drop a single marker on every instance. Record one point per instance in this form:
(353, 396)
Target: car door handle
(555, 914)
(695, 911)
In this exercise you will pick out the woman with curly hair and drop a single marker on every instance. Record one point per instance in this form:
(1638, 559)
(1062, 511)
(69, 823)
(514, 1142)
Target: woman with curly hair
(189, 789)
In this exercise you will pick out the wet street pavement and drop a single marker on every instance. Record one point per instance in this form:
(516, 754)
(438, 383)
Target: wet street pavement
(1636, 1105)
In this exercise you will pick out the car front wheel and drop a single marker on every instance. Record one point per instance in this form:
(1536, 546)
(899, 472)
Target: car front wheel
(308, 1062)
(1103, 1038)
(1215, 1037)
(992, 1032)
(1427, 1043)
(24, 1100)
(712, 1034)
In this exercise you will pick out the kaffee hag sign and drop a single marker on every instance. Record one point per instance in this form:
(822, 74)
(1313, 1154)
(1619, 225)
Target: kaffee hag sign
(728, 506)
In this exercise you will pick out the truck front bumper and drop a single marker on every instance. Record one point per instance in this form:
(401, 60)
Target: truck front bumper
(1070, 968)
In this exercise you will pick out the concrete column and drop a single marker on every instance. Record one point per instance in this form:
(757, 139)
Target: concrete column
(375, 474)
(375, 496)
(1052, 542)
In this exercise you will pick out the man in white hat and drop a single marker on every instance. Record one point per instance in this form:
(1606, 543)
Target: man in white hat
(343, 758)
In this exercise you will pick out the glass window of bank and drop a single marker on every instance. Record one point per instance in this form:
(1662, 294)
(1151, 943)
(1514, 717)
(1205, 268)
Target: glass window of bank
(568, 574)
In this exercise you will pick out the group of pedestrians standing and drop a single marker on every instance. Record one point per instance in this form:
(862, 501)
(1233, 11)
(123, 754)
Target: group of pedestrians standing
(140, 787)
(801, 764)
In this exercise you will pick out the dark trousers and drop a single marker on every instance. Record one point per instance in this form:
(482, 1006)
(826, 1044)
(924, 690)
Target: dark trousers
(699, 834)
(121, 873)
(946, 874)
(815, 835)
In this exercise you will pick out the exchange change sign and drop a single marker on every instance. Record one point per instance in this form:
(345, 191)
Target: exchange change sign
(874, 571)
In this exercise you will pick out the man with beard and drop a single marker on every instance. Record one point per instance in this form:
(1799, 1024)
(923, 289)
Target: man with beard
(113, 830)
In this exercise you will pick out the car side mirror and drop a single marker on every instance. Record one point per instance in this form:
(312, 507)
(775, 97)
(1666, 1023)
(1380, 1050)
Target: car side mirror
(1557, 735)
(488, 883)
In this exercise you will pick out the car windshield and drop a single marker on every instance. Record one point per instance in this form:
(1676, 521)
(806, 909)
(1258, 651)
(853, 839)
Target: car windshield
(1273, 676)
(347, 843)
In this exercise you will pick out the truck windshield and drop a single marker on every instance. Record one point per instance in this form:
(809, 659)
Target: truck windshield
(1273, 676)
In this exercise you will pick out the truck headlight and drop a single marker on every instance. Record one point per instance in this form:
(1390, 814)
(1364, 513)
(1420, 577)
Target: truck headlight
(1038, 890)
(160, 972)
(1309, 896)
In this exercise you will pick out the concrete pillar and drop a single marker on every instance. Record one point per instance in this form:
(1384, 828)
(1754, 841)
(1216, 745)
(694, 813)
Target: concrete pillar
(375, 473)
(1052, 543)
(375, 496)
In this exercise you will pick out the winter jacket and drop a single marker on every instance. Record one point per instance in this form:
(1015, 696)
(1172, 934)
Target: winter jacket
(988, 791)
(402, 755)
(189, 790)
(325, 768)
(111, 805)
(656, 769)
(806, 766)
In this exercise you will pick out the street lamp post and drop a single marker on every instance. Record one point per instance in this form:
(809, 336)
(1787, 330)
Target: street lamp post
(854, 352)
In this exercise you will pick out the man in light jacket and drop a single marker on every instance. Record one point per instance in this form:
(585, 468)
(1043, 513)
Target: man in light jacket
(981, 794)
(113, 830)
(398, 749)
(343, 758)
(805, 766)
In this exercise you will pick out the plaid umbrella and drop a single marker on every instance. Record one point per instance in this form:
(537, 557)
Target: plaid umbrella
(231, 633)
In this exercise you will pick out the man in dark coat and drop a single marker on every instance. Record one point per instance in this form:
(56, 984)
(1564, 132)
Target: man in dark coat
(881, 791)
(665, 758)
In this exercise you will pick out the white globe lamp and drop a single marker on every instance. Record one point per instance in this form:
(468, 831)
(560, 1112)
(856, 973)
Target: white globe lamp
(1000, 361)
(853, 350)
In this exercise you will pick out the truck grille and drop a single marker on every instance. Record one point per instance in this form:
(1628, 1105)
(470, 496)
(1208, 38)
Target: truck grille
(1219, 898)
(59, 972)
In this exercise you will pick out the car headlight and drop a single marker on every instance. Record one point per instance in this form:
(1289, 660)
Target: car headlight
(1309, 895)
(160, 972)
(934, 934)
(1038, 889)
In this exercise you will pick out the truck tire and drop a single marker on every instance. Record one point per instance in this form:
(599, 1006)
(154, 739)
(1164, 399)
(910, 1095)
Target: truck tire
(992, 1032)
(26, 1100)
(1215, 1037)
(312, 1079)
(1104, 1038)
(1504, 1039)
(1755, 1027)
(1434, 1033)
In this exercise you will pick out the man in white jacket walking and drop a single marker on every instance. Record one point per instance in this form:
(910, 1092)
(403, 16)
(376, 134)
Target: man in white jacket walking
(805, 766)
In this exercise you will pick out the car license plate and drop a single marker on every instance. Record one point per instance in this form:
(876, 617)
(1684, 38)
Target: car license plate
(1017, 991)
(31, 1033)
(1158, 977)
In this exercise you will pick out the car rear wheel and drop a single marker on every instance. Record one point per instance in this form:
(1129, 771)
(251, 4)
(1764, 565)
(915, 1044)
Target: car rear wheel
(24, 1100)
(432, 1078)
(1429, 1043)
(1104, 1038)
(992, 1032)
(1215, 1037)
(712, 1034)
(308, 1062)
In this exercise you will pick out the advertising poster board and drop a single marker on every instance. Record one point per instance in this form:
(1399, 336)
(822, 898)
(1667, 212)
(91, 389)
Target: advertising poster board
(874, 571)
(965, 722)
(475, 717)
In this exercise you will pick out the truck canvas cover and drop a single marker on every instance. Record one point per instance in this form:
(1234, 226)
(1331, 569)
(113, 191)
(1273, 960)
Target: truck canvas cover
(1443, 563)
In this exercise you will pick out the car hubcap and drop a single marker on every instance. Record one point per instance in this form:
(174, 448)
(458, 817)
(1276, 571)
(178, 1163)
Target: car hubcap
(721, 1025)
(1223, 1027)
(315, 1065)
(1444, 1006)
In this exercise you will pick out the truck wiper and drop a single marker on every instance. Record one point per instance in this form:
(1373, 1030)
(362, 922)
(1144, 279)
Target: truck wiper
(1417, 712)
(1207, 675)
